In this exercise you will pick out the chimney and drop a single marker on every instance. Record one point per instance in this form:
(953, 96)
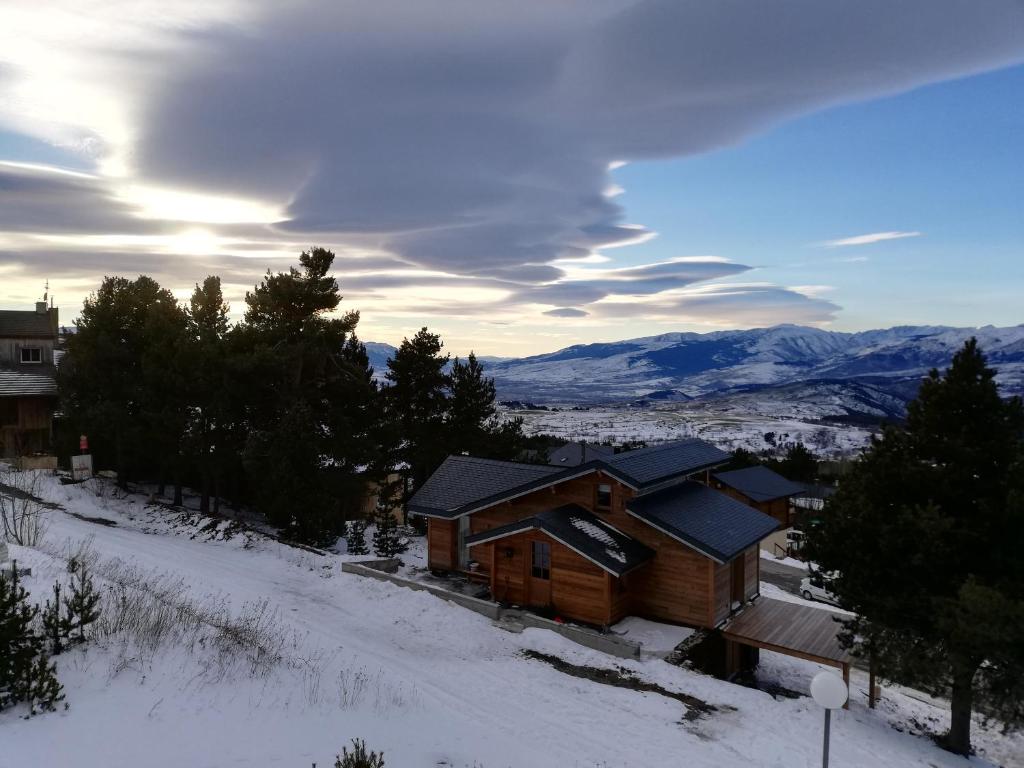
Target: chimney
(42, 307)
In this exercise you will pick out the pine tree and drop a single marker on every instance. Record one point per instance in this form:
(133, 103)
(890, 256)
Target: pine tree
(355, 538)
(359, 757)
(925, 535)
(25, 675)
(313, 405)
(387, 541)
(82, 605)
(473, 425)
(417, 401)
(44, 690)
(56, 622)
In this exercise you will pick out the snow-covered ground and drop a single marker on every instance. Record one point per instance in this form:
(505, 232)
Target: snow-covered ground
(722, 424)
(429, 683)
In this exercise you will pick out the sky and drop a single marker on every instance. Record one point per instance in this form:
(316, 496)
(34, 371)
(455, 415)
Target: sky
(521, 177)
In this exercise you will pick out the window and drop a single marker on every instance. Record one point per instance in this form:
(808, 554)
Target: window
(541, 560)
(31, 354)
(604, 496)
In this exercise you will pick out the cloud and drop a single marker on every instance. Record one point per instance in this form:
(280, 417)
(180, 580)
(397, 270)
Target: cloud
(727, 305)
(480, 138)
(873, 237)
(566, 312)
(462, 145)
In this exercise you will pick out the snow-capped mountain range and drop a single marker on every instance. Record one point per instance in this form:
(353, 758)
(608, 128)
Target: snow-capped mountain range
(875, 372)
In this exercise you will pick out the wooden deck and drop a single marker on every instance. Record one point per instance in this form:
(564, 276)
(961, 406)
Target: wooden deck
(791, 629)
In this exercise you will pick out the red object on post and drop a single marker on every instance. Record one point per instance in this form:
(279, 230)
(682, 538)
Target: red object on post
(83, 443)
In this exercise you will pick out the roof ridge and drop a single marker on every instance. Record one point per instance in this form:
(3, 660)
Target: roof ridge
(507, 462)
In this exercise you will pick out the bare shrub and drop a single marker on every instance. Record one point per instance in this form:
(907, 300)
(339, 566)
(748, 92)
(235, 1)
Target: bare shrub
(22, 516)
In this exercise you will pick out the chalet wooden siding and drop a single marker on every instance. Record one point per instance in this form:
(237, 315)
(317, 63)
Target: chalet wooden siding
(753, 572)
(777, 508)
(679, 585)
(442, 544)
(576, 588)
(580, 491)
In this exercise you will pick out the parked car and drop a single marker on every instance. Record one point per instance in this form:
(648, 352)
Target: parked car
(815, 587)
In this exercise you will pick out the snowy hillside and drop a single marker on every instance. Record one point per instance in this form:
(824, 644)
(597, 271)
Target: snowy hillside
(690, 365)
(327, 656)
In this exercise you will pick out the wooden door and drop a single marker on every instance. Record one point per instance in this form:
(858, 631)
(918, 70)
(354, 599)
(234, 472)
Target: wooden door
(539, 573)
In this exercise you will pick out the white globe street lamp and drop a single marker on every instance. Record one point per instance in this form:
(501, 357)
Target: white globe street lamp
(830, 692)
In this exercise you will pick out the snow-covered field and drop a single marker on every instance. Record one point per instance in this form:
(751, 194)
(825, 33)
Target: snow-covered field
(429, 683)
(724, 425)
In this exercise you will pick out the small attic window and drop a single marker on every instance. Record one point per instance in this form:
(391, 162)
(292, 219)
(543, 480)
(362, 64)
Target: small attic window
(604, 496)
(31, 354)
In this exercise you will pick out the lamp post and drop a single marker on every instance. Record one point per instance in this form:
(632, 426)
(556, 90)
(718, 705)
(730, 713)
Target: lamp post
(830, 692)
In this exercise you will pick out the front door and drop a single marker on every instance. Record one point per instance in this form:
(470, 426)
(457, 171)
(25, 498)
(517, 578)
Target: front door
(540, 573)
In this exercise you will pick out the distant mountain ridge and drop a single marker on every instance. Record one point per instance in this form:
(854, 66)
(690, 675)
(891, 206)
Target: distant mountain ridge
(693, 365)
(875, 370)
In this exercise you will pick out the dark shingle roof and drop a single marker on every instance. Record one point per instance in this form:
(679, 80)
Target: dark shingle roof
(703, 518)
(649, 466)
(25, 324)
(582, 532)
(18, 384)
(574, 454)
(464, 484)
(462, 481)
(760, 483)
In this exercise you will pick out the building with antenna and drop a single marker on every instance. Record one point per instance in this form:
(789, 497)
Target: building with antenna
(28, 386)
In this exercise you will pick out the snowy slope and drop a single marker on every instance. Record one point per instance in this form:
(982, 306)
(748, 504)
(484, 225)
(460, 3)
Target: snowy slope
(426, 681)
(696, 365)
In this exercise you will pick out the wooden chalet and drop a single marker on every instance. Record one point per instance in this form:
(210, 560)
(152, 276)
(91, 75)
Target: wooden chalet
(641, 533)
(636, 533)
(761, 488)
(28, 389)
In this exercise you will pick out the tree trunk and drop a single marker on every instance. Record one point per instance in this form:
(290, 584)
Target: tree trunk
(178, 501)
(958, 739)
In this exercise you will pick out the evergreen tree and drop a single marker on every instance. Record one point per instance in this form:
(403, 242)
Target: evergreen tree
(925, 535)
(25, 675)
(118, 380)
(359, 757)
(387, 536)
(57, 625)
(312, 404)
(473, 425)
(799, 464)
(83, 604)
(355, 537)
(417, 401)
(209, 428)
(742, 459)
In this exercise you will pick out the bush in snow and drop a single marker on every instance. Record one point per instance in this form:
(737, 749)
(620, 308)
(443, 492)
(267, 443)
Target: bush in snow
(355, 538)
(359, 757)
(21, 515)
(25, 674)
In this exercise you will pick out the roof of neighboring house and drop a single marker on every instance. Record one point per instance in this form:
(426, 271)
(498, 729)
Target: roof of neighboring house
(760, 483)
(18, 384)
(466, 480)
(25, 324)
(582, 532)
(464, 484)
(702, 518)
(649, 466)
(574, 454)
